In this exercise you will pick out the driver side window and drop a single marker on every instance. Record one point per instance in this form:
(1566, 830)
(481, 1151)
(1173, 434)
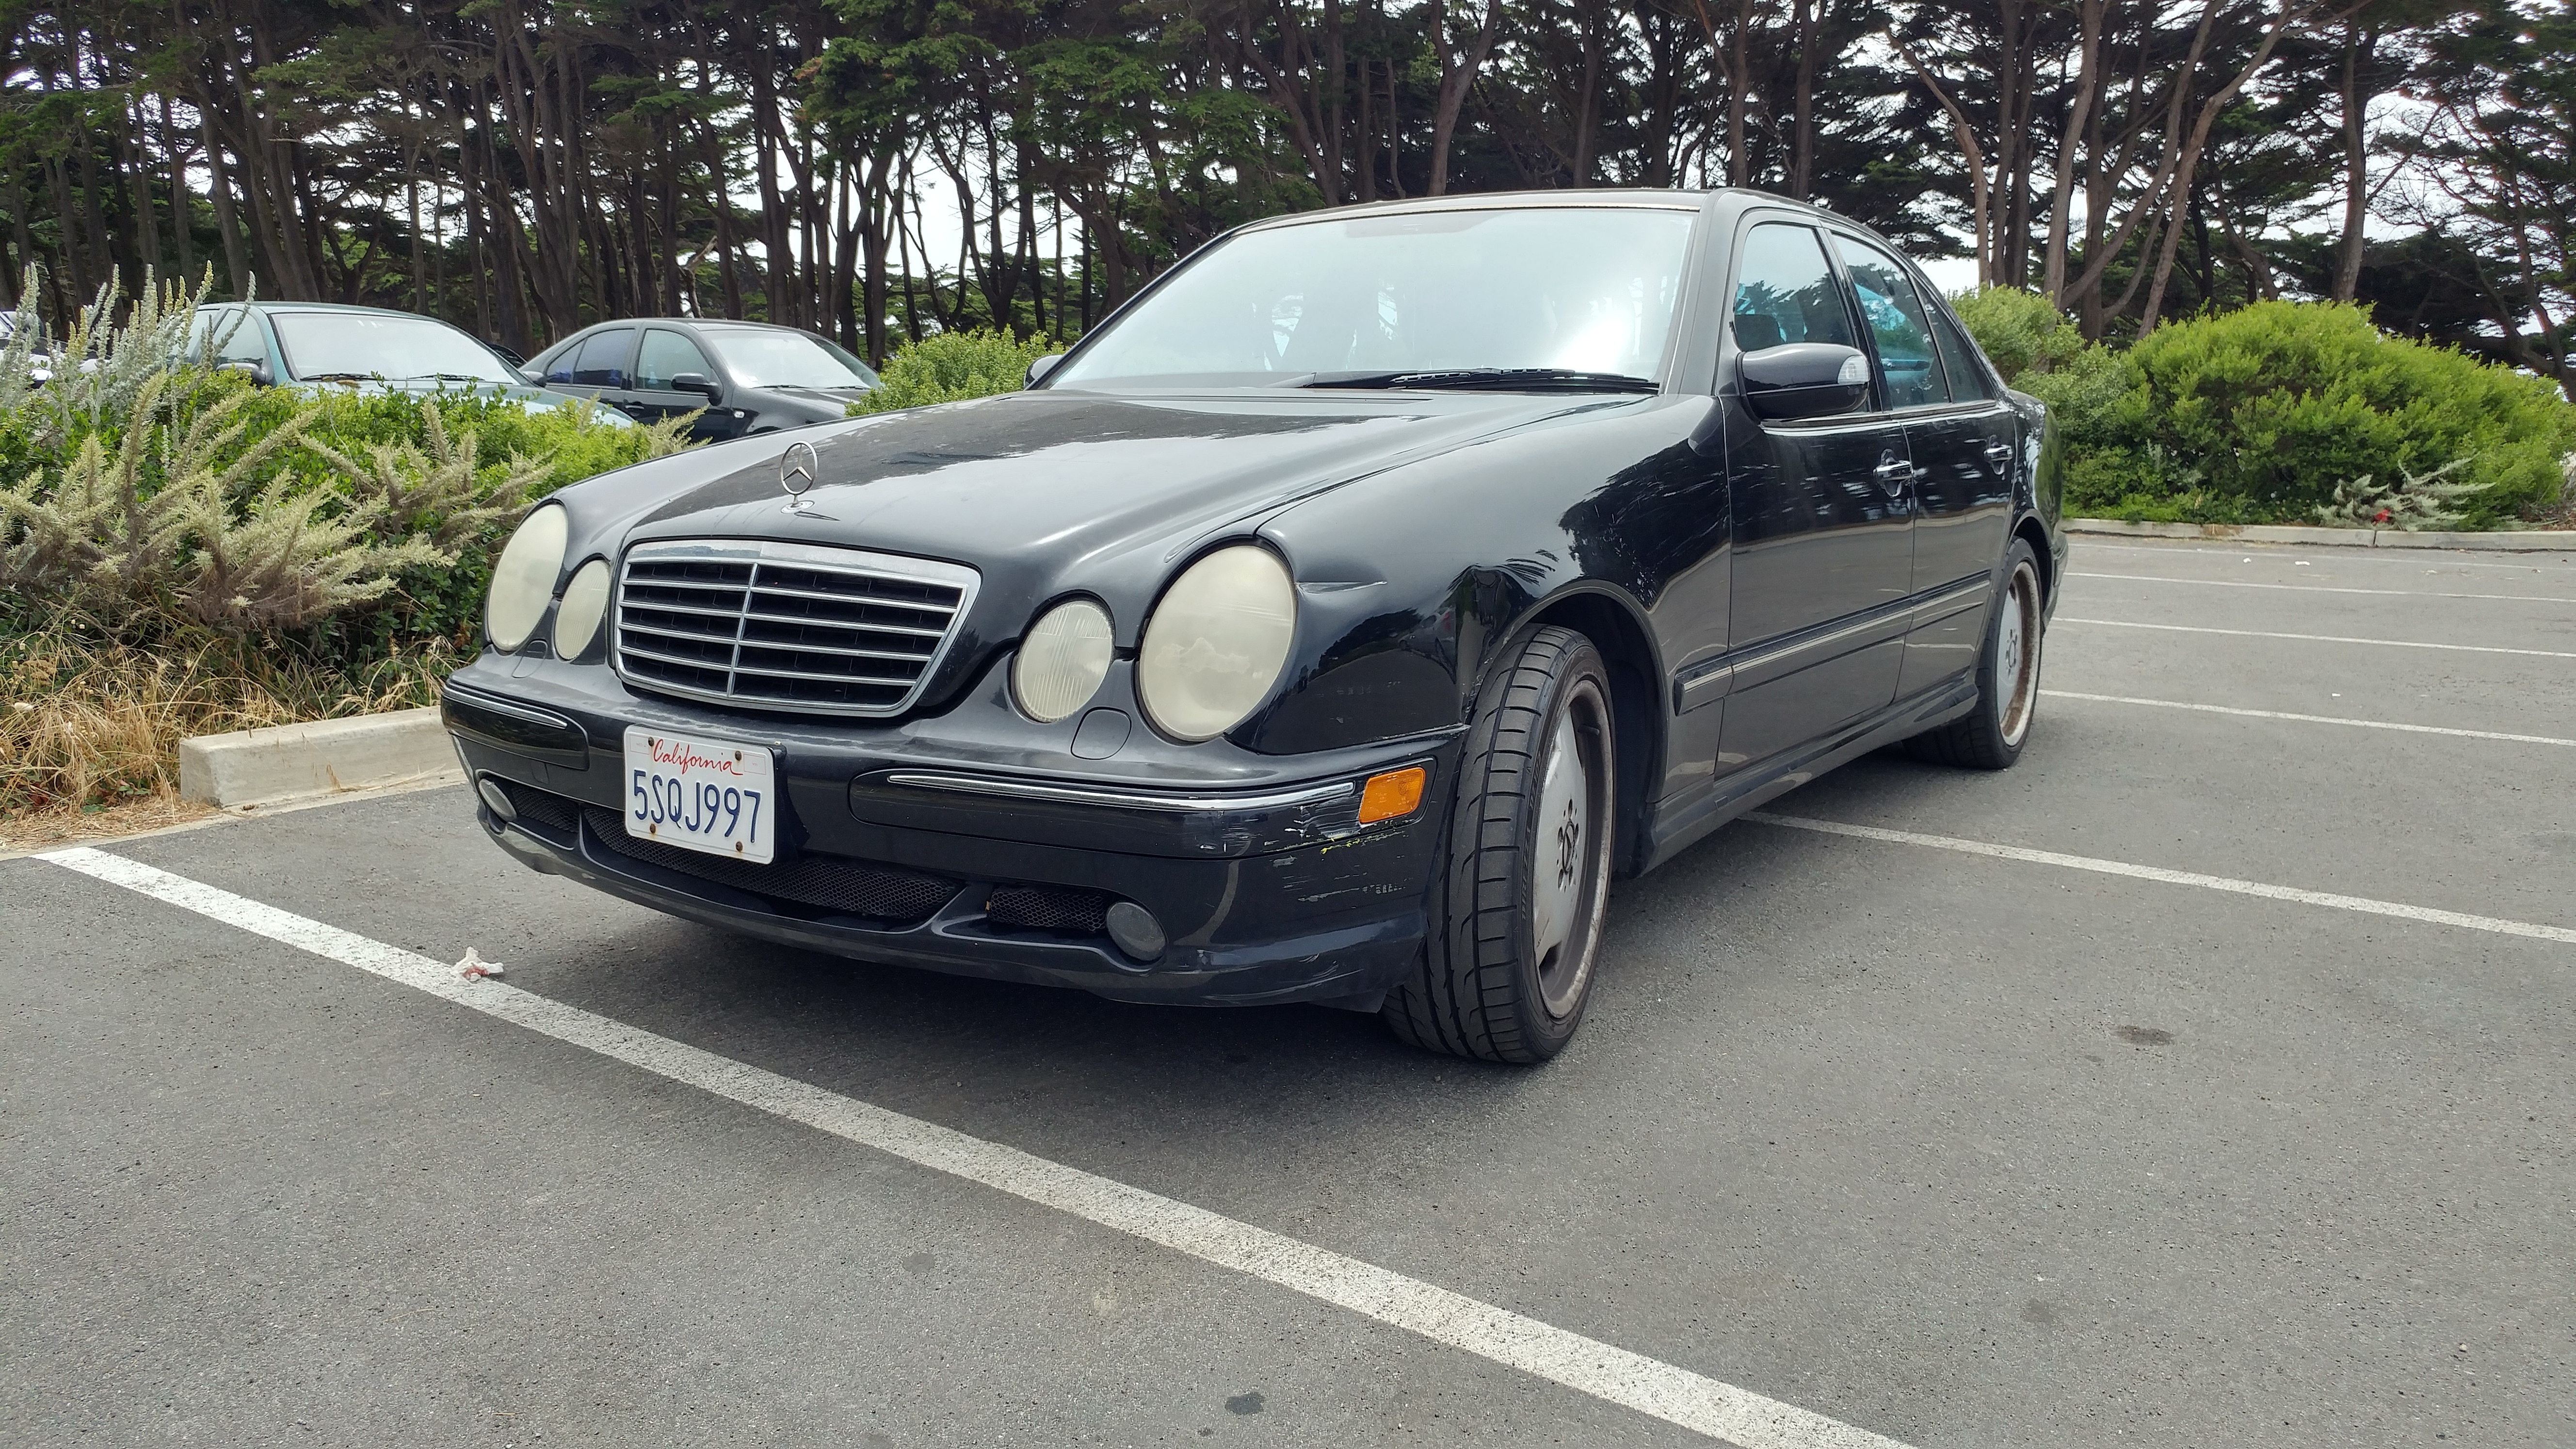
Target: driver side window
(1785, 292)
(667, 355)
(229, 335)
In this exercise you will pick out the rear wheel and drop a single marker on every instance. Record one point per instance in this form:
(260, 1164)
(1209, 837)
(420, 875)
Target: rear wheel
(1516, 914)
(1991, 736)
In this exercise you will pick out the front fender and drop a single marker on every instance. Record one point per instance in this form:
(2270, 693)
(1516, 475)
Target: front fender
(1413, 583)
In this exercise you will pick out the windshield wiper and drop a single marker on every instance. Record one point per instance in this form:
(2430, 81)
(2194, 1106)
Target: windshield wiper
(337, 377)
(1494, 379)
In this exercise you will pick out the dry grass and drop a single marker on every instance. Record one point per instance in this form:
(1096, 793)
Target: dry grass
(91, 723)
(47, 829)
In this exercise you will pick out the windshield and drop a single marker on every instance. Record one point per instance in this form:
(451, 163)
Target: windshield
(762, 357)
(1581, 289)
(324, 345)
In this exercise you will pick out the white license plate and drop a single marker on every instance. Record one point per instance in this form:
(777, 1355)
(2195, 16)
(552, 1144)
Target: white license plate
(698, 794)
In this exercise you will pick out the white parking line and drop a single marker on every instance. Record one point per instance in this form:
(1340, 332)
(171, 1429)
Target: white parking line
(2322, 588)
(2367, 724)
(2363, 904)
(2315, 638)
(2212, 548)
(1649, 1386)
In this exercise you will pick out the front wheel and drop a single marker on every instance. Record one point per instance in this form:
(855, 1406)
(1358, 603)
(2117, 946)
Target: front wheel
(1991, 736)
(1516, 914)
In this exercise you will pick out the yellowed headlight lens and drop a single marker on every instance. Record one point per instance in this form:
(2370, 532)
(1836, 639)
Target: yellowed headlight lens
(585, 603)
(1062, 661)
(523, 578)
(1216, 642)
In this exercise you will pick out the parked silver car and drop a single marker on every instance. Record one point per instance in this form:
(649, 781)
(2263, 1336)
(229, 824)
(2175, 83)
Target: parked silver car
(312, 345)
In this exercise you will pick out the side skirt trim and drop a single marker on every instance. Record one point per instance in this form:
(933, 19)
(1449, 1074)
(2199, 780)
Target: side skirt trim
(1682, 821)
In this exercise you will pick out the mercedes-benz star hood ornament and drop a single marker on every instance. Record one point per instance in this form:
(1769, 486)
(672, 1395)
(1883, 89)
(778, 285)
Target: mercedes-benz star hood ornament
(798, 468)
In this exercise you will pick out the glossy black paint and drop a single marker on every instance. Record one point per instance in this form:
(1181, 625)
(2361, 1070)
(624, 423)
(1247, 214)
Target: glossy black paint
(1803, 380)
(727, 407)
(1773, 597)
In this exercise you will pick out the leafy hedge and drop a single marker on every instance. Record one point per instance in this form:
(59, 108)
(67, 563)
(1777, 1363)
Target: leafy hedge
(954, 366)
(149, 494)
(183, 552)
(2285, 412)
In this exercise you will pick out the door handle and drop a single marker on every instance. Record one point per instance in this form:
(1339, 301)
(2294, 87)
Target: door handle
(2001, 452)
(1894, 474)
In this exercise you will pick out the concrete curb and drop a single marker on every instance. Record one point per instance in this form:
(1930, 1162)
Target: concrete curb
(326, 757)
(2532, 542)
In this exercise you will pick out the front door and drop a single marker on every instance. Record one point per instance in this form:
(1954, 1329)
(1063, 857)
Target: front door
(1823, 518)
(669, 354)
(1960, 433)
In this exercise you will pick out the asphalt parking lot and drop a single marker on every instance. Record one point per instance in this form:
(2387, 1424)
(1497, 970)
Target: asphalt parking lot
(2092, 1139)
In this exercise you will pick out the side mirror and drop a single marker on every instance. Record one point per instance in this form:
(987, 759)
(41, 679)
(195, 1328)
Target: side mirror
(532, 375)
(257, 372)
(699, 383)
(1804, 379)
(1040, 368)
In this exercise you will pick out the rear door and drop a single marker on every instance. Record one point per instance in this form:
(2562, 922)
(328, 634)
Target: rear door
(1960, 435)
(602, 367)
(1823, 522)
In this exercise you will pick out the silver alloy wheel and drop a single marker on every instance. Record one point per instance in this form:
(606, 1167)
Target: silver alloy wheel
(2017, 655)
(1570, 872)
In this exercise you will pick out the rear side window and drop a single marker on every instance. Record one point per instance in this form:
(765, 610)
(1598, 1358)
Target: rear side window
(1968, 379)
(1898, 324)
(605, 359)
(1785, 292)
(666, 355)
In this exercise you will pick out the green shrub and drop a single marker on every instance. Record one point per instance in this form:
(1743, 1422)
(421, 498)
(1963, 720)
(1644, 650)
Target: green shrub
(2281, 404)
(2040, 351)
(2020, 332)
(954, 366)
(181, 551)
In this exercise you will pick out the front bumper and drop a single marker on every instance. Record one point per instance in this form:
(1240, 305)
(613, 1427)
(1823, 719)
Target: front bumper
(903, 847)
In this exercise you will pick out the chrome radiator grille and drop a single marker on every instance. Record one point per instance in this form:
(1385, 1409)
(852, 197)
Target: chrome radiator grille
(785, 625)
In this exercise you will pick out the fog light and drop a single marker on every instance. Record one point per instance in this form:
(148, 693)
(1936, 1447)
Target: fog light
(496, 799)
(1397, 792)
(1135, 930)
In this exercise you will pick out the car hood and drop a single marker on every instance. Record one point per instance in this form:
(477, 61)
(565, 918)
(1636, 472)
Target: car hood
(1053, 490)
(833, 397)
(1050, 494)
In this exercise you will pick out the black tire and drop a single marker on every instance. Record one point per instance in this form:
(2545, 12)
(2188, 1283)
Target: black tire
(1991, 736)
(1516, 912)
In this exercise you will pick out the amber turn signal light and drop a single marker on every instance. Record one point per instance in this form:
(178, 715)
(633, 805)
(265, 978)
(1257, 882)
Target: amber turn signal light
(1397, 792)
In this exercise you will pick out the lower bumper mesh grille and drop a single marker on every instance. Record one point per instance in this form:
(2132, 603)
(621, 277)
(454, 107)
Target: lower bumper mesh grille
(542, 806)
(834, 884)
(1062, 909)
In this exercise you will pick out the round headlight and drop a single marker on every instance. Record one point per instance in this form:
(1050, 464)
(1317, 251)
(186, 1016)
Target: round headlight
(523, 579)
(585, 603)
(1062, 661)
(1216, 642)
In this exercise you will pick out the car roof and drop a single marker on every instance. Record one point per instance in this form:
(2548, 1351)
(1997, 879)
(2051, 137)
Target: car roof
(1563, 197)
(710, 322)
(274, 305)
(1730, 199)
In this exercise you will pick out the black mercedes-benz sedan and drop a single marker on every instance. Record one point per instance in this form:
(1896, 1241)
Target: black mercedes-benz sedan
(738, 377)
(1332, 624)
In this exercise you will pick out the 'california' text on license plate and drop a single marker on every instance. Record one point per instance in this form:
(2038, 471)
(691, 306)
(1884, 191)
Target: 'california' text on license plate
(710, 795)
